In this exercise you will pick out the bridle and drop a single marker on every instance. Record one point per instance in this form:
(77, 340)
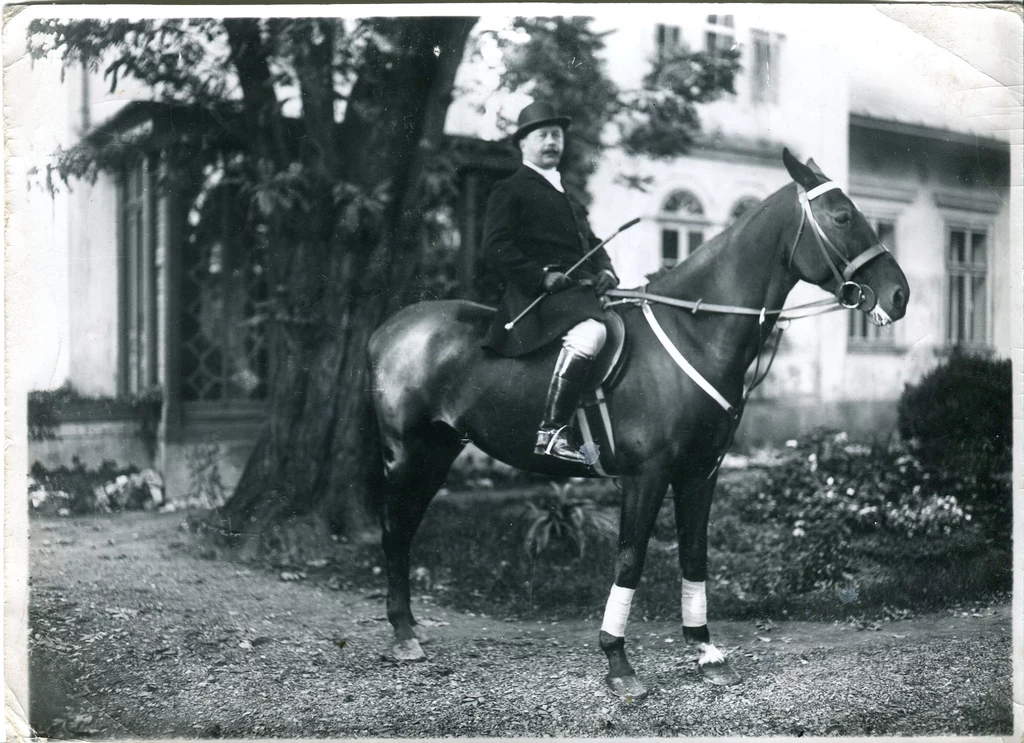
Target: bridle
(849, 293)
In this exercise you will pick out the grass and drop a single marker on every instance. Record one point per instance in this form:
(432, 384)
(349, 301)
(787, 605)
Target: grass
(473, 554)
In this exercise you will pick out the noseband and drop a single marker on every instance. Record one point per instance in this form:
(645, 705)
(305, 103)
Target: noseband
(849, 293)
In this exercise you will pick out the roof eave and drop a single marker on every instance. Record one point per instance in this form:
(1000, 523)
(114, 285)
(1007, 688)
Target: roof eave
(891, 126)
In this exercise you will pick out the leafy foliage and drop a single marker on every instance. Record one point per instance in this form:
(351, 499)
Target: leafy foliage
(828, 493)
(180, 59)
(205, 487)
(46, 410)
(559, 524)
(663, 116)
(959, 416)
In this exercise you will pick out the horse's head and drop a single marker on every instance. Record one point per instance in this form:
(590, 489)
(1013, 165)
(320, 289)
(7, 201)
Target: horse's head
(838, 250)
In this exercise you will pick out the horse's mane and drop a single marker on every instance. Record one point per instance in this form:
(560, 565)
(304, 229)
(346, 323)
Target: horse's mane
(709, 250)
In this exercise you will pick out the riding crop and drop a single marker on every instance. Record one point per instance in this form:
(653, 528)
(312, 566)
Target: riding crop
(577, 264)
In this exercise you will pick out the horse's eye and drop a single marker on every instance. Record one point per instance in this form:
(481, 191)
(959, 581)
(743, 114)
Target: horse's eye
(842, 218)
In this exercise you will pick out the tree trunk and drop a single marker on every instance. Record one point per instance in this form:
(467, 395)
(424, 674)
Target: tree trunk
(316, 467)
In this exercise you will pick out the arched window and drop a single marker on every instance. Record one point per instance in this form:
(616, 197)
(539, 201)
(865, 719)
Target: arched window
(682, 223)
(743, 206)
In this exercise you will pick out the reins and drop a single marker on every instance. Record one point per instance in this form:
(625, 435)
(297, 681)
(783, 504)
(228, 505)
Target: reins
(638, 296)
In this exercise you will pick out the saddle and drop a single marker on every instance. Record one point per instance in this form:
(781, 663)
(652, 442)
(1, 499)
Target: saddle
(592, 420)
(606, 369)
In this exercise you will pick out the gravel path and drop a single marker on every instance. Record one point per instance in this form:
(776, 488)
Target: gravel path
(135, 634)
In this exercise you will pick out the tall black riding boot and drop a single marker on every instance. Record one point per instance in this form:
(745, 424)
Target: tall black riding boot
(564, 392)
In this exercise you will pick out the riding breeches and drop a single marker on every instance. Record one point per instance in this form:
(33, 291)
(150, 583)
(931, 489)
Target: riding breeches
(586, 339)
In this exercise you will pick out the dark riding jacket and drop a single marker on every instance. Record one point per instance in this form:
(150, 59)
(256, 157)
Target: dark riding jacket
(531, 226)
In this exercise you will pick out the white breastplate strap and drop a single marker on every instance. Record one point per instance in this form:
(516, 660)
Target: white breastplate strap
(685, 365)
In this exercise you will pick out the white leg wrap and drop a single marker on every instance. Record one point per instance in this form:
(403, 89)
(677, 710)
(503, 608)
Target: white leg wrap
(695, 604)
(616, 611)
(709, 654)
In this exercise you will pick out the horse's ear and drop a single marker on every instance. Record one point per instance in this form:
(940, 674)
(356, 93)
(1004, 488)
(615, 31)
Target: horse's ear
(801, 173)
(815, 169)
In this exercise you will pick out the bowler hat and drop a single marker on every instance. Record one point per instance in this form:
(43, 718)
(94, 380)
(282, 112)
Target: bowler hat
(536, 115)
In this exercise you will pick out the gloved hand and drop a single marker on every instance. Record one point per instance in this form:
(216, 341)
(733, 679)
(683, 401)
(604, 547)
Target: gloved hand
(605, 280)
(556, 281)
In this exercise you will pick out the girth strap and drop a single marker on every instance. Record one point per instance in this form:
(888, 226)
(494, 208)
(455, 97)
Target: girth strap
(683, 364)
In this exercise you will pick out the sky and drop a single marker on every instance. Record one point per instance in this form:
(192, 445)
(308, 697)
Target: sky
(950, 67)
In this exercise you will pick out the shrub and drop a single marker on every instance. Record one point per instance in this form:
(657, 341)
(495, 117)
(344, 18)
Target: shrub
(44, 411)
(77, 490)
(959, 416)
(47, 408)
(829, 492)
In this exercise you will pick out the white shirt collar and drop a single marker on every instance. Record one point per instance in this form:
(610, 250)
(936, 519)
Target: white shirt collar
(551, 176)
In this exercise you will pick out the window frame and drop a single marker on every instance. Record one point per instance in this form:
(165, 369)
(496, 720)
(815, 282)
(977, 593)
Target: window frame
(684, 224)
(662, 45)
(724, 26)
(878, 339)
(764, 87)
(969, 224)
(138, 364)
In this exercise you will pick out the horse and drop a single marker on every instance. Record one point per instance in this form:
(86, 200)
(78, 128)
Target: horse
(434, 388)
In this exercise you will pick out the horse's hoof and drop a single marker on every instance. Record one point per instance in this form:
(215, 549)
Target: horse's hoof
(627, 688)
(720, 673)
(408, 651)
(421, 634)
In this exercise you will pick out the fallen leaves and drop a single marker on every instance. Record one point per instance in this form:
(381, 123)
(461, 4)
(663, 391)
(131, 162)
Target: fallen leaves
(123, 614)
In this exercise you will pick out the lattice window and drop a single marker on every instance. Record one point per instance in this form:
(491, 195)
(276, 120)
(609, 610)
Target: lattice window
(224, 349)
(860, 329)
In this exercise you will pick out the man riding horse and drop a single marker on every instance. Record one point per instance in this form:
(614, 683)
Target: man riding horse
(534, 231)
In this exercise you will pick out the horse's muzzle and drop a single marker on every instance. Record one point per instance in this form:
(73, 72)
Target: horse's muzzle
(879, 317)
